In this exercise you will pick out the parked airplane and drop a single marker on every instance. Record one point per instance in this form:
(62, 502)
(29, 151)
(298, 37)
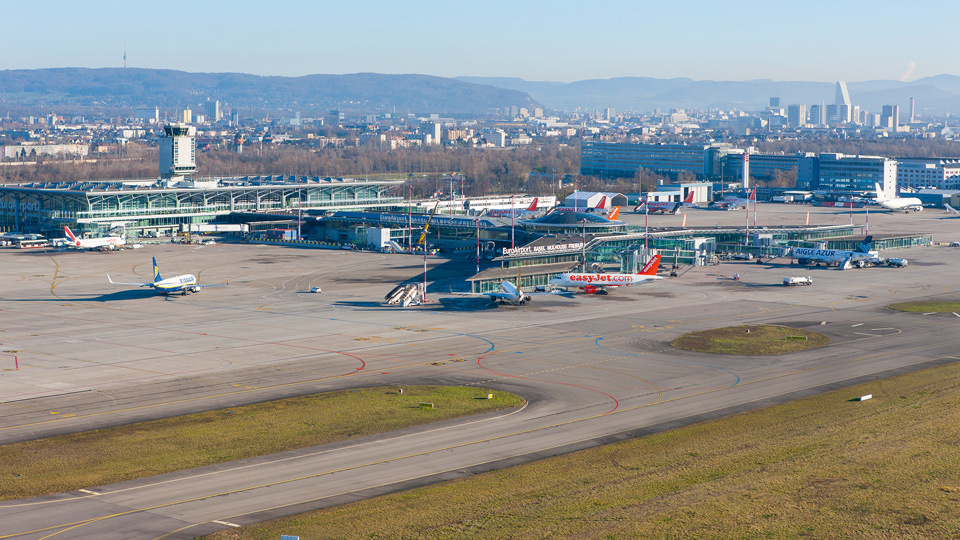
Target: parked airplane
(598, 283)
(731, 203)
(951, 209)
(664, 207)
(845, 259)
(510, 294)
(897, 203)
(178, 284)
(514, 212)
(602, 207)
(109, 242)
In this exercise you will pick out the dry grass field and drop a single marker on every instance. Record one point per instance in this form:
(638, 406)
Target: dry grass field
(751, 340)
(820, 467)
(106, 456)
(927, 307)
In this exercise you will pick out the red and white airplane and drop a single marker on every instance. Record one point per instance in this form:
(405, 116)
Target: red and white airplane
(108, 242)
(513, 212)
(664, 207)
(598, 283)
(602, 207)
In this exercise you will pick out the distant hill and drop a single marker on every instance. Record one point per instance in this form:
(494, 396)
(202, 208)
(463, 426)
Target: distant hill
(360, 92)
(938, 94)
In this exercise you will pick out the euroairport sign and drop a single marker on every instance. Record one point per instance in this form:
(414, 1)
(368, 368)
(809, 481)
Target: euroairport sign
(415, 219)
(533, 250)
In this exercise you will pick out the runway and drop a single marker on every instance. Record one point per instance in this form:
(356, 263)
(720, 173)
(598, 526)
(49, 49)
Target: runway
(593, 369)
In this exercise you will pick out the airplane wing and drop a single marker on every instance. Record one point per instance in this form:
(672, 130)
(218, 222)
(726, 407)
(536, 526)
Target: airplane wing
(138, 284)
(211, 285)
(565, 294)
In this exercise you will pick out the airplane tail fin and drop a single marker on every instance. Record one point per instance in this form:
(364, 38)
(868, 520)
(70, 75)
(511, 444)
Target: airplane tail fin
(615, 214)
(753, 194)
(69, 234)
(156, 271)
(533, 205)
(650, 269)
(689, 199)
(865, 246)
(951, 209)
(603, 203)
(881, 196)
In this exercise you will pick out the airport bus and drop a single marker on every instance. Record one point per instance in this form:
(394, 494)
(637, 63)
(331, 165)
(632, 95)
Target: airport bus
(28, 243)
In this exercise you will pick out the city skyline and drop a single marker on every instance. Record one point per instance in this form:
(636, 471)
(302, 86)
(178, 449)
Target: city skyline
(535, 41)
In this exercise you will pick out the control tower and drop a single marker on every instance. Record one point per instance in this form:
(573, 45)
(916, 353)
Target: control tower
(178, 154)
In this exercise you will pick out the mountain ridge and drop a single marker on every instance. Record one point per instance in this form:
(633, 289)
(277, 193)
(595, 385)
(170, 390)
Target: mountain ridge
(358, 92)
(940, 92)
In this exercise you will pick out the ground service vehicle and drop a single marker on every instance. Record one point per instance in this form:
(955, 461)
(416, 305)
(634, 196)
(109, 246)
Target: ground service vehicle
(798, 280)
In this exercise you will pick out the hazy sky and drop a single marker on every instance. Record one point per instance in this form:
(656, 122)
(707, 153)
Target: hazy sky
(557, 40)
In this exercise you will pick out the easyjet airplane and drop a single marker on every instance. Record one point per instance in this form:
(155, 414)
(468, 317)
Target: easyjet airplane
(599, 283)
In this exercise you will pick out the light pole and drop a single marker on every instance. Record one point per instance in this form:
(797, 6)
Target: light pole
(583, 246)
(513, 218)
(646, 225)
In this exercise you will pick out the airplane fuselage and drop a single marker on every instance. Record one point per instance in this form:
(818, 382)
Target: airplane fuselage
(593, 280)
(831, 255)
(177, 284)
(904, 203)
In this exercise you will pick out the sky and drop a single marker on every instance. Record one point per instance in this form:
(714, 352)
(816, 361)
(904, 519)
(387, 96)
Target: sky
(559, 40)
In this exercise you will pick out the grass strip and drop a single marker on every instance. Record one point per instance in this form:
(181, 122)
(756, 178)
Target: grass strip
(106, 456)
(751, 340)
(819, 467)
(927, 307)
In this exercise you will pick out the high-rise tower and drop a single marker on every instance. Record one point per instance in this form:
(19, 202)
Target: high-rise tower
(844, 107)
(178, 156)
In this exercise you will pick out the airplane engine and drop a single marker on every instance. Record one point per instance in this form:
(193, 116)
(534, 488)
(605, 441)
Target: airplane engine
(589, 289)
(195, 289)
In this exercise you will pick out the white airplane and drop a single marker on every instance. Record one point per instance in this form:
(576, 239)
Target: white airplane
(845, 259)
(730, 202)
(664, 207)
(514, 212)
(109, 242)
(178, 284)
(510, 294)
(598, 283)
(897, 203)
(950, 209)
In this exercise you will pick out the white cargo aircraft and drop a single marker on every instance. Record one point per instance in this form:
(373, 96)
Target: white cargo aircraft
(109, 242)
(897, 203)
(845, 259)
(178, 284)
(731, 202)
(599, 283)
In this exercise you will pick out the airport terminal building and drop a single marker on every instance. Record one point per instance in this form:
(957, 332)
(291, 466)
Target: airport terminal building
(159, 207)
